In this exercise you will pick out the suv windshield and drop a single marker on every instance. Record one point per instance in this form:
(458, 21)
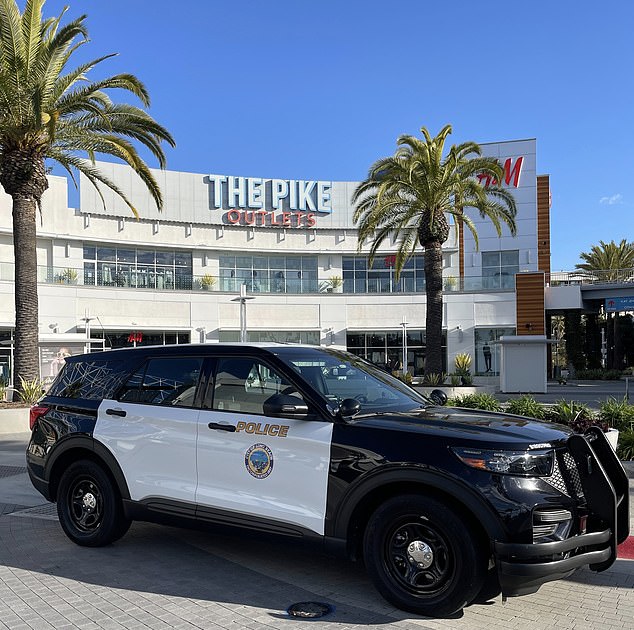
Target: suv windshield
(338, 375)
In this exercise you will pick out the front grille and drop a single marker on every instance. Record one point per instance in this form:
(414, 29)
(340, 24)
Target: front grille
(572, 474)
(565, 477)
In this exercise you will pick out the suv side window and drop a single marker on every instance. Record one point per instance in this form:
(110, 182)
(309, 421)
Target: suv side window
(243, 384)
(90, 380)
(164, 381)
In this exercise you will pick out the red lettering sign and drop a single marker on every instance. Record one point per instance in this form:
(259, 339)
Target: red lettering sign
(135, 337)
(295, 219)
(512, 173)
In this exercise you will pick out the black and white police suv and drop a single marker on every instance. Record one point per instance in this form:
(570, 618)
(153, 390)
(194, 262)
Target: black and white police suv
(445, 506)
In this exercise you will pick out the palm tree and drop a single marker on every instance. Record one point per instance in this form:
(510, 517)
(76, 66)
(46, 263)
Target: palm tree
(48, 110)
(608, 258)
(410, 195)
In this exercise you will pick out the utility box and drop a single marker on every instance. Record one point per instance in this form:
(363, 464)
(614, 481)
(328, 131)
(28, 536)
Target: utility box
(523, 363)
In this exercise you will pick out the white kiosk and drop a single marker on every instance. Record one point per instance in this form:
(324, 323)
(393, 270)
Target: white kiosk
(523, 363)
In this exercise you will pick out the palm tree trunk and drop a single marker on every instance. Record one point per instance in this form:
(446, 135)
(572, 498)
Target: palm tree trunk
(433, 290)
(26, 360)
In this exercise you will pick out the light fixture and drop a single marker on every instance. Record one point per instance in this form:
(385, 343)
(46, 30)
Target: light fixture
(121, 224)
(155, 227)
(205, 259)
(86, 221)
(188, 229)
(67, 250)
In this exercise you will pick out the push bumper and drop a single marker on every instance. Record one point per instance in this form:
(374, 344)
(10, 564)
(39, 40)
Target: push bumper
(523, 568)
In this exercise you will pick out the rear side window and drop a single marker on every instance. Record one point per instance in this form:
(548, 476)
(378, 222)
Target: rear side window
(164, 381)
(90, 380)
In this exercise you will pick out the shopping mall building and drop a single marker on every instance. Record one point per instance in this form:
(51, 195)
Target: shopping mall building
(175, 276)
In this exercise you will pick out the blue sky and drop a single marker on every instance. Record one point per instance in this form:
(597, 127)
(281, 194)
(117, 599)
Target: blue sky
(321, 89)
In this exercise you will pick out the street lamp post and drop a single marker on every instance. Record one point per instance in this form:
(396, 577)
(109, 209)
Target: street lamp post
(404, 325)
(243, 310)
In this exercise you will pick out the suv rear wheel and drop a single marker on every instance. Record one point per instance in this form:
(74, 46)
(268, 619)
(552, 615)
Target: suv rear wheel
(89, 506)
(421, 556)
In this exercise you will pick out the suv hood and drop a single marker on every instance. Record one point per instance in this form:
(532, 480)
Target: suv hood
(472, 424)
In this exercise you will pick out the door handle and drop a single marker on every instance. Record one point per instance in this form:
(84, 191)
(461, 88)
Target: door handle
(222, 427)
(116, 412)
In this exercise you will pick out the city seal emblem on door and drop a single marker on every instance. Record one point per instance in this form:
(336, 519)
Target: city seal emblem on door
(259, 461)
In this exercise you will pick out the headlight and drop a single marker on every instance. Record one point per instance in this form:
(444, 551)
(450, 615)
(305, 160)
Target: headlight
(524, 463)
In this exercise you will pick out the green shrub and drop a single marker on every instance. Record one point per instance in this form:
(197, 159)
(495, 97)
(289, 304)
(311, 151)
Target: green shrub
(467, 379)
(3, 391)
(617, 413)
(486, 402)
(406, 377)
(433, 379)
(599, 375)
(625, 449)
(526, 406)
(455, 380)
(30, 391)
(462, 362)
(568, 411)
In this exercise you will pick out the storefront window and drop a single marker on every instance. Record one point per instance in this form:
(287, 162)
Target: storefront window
(487, 350)
(138, 268)
(385, 348)
(359, 277)
(128, 339)
(269, 274)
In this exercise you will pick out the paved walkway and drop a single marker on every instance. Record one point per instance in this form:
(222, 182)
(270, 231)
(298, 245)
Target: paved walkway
(161, 577)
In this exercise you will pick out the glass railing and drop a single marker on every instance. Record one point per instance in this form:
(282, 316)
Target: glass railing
(174, 280)
(605, 276)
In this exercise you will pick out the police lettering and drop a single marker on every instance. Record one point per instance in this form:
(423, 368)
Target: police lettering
(276, 430)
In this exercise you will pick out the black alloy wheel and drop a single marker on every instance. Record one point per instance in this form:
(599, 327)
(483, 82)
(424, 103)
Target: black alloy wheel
(89, 506)
(422, 557)
(418, 556)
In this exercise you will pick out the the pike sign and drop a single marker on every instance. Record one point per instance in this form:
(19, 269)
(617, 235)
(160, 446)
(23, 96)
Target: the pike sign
(295, 203)
(270, 202)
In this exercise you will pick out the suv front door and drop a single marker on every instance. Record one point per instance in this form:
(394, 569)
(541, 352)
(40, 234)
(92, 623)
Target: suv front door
(251, 466)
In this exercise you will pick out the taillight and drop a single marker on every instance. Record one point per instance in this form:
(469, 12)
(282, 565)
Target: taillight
(36, 412)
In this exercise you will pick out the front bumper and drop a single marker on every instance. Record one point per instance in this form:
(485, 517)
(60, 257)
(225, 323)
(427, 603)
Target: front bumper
(523, 568)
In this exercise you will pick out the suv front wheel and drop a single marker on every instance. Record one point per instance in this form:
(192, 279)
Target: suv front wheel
(421, 557)
(89, 506)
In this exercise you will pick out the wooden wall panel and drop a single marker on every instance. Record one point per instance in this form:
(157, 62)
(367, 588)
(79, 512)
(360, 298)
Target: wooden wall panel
(529, 289)
(543, 225)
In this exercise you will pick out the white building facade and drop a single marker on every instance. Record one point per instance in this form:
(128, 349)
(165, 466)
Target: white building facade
(173, 276)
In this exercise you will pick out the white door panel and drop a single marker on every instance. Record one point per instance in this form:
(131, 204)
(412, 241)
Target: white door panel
(281, 477)
(154, 445)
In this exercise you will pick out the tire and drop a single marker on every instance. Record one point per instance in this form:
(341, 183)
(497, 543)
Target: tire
(89, 506)
(490, 588)
(447, 569)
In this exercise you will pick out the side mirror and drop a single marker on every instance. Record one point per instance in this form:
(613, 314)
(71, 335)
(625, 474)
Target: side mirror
(285, 406)
(349, 407)
(438, 396)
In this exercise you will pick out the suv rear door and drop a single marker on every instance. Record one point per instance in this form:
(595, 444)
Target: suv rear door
(151, 429)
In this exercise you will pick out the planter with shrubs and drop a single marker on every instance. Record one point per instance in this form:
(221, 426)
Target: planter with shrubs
(614, 417)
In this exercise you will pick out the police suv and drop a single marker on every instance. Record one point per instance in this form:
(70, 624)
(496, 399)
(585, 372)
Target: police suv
(445, 506)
